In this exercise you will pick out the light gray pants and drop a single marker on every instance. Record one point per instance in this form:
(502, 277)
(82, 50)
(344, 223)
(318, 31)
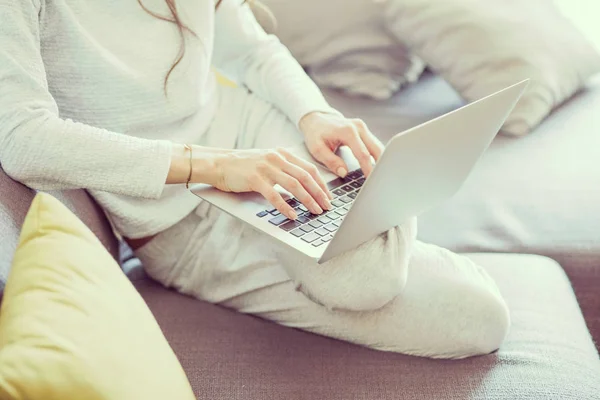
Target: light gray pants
(393, 293)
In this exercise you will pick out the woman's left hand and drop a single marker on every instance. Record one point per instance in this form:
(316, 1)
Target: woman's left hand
(324, 133)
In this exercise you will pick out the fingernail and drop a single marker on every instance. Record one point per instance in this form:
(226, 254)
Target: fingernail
(329, 195)
(293, 215)
(318, 209)
(327, 204)
(342, 172)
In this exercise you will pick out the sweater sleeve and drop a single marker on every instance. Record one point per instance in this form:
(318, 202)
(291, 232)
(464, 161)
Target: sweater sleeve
(247, 54)
(45, 152)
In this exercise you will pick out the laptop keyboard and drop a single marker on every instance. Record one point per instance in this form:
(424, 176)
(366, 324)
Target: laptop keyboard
(319, 229)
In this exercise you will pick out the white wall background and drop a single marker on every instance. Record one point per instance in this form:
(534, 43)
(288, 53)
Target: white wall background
(585, 14)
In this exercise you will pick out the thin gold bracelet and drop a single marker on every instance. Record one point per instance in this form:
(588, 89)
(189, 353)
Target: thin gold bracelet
(187, 184)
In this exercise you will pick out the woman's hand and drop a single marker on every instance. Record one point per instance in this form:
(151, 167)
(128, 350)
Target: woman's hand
(258, 171)
(324, 133)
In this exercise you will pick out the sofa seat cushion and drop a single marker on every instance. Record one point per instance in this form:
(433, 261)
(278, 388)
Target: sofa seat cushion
(548, 353)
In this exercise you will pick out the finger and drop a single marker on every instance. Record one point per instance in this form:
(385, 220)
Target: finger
(295, 180)
(360, 151)
(374, 146)
(318, 200)
(293, 185)
(327, 157)
(274, 197)
(311, 169)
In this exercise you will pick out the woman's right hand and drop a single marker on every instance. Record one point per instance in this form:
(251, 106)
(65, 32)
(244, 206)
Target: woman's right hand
(259, 170)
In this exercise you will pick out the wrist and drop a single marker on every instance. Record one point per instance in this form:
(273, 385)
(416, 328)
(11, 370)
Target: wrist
(306, 121)
(179, 168)
(203, 164)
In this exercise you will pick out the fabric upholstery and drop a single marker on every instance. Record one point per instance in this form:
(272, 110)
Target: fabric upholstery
(72, 326)
(82, 204)
(15, 199)
(538, 194)
(548, 353)
(14, 203)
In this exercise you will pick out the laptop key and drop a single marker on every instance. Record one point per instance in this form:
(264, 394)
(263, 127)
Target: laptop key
(341, 211)
(324, 219)
(293, 202)
(333, 215)
(327, 238)
(315, 224)
(322, 232)
(346, 199)
(302, 219)
(311, 237)
(288, 226)
(354, 174)
(337, 223)
(338, 192)
(262, 214)
(275, 213)
(311, 216)
(355, 184)
(337, 182)
(301, 207)
(307, 228)
(297, 232)
(353, 195)
(337, 203)
(331, 228)
(347, 188)
(278, 220)
(361, 181)
(317, 243)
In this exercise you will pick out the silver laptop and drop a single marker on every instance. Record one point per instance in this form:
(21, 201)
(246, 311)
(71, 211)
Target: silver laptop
(419, 168)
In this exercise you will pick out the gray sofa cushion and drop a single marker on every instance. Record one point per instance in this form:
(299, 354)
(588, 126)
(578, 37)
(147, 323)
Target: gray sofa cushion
(14, 204)
(548, 354)
(538, 194)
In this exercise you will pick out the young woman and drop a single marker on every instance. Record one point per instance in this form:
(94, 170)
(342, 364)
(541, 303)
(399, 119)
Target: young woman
(113, 96)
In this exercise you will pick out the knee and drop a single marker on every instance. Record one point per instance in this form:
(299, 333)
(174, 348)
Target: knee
(483, 321)
(350, 285)
(350, 293)
(369, 294)
(363, 279)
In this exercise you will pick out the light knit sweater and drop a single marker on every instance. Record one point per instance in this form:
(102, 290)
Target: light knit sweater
(82, 102)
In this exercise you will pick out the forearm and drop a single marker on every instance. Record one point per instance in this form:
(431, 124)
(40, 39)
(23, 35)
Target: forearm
(46, 153)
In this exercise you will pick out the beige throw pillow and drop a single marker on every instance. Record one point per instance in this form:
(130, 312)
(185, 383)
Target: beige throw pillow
(482, 46)
(344, 44)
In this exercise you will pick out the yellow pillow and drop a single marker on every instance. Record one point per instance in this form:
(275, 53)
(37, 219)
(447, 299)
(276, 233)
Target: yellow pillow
(72, 326)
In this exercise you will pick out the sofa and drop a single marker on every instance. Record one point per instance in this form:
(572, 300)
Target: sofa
(529, 214)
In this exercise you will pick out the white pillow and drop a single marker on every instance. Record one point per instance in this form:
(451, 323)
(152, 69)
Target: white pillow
(344, 44)
(482, 46)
